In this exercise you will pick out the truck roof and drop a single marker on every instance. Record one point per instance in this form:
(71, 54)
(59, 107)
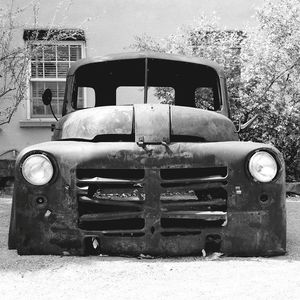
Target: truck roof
(143, 55)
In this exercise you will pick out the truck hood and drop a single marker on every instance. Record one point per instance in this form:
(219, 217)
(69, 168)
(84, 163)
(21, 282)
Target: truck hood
(145, 123)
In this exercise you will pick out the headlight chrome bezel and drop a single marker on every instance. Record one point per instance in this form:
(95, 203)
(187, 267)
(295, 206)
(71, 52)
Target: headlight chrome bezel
(269, 154)
(47, 158)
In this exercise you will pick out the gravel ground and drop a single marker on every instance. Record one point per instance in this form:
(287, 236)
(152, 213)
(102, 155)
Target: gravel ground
(53, 277)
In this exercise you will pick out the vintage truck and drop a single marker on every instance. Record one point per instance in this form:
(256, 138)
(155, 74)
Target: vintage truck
(153, 167)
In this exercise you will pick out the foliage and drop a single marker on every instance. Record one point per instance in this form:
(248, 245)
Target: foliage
(13, 65)
(204, 38)
(271, 68)
(262, 68)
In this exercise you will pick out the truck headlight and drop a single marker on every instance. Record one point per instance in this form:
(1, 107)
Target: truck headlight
(262, 166)
(37, 169)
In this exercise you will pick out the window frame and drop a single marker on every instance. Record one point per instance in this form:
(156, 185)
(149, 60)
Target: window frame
(29, 97)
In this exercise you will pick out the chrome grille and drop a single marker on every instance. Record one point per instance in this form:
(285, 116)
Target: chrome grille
(118, 201)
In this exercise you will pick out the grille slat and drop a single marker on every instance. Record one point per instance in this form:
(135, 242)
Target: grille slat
(203, 215)
(112, 202)
(109, 216)
(175, 187)
(113, 225)
(214, 205)
(106, 181)
(193, 173)
(117, 174)
(82, 190)
(193, 180)
(166, 203)
(187, 224)
(119, 232)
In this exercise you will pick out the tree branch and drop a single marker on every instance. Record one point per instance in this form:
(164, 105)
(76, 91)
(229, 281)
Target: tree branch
(279, 75)
(7, 91)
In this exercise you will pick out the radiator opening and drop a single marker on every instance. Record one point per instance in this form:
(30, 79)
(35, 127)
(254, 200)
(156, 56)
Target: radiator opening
(190, 173)
(121, 174)
(189, 223)
(211, 194)
(197, 194)
(121, 224)
(181, 233)
(94, 208)
(189, 184)
(195, 200)
(124, 234)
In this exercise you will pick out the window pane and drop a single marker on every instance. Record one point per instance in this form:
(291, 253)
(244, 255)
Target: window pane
(37, 89)
(48, 111)
(34, 90)
(135, 95)
(50, 70)
(53, 87)
(33, 69)
(165, 95)
(80, 103)
(204, 98)
(60, 106)
(51, 61)
(38, 107)
(61, 89)
(62, 69)
(49, 53)
(75, 52)
(36, 70)
(63, 53)
(91, 97)
(36, 52)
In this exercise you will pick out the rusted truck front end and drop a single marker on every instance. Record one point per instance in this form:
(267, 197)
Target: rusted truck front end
(148, 178)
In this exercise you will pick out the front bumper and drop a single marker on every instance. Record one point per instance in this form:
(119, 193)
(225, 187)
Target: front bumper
(122, 199)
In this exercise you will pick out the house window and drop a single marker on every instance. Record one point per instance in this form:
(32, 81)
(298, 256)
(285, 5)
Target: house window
(51, 58)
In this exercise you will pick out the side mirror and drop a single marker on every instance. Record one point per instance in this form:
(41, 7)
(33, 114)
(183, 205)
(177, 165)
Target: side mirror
(247, 124)
(47, 97)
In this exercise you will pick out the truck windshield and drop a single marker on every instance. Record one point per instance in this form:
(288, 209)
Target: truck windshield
(138, 81)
